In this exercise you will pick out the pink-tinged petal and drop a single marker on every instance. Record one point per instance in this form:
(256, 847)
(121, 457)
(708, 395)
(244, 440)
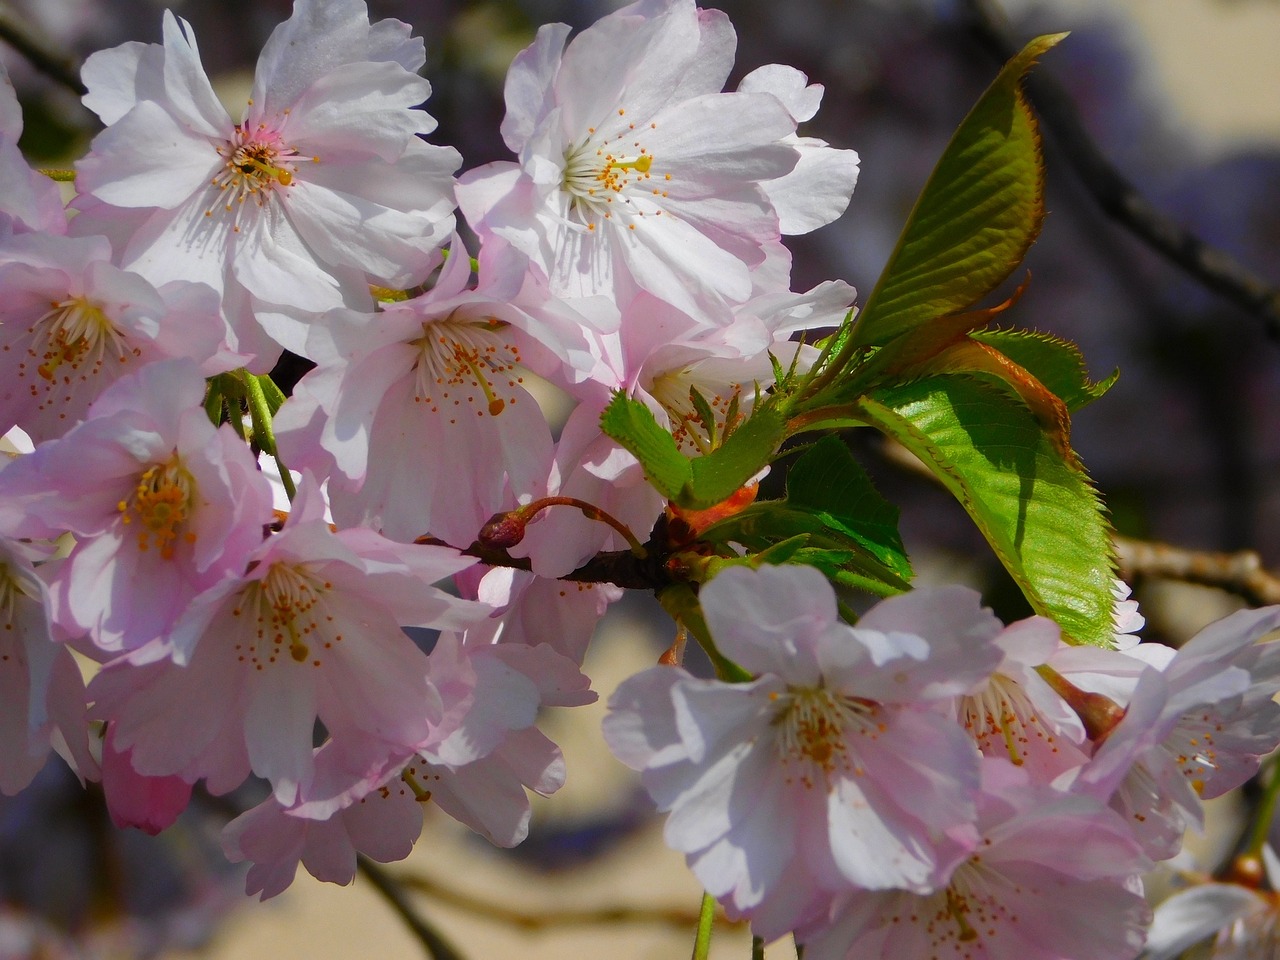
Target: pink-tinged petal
(274, 263)
(384, 827)
(818, 190)
(627, 61)
(789, 85)
(486, 797)
(151, 804)
(320, 37)
(528, 81)
(745, 862)
(147, 159)
(1190, 916)
(768, 620)
(187, 90)
(122, 76)
(274, 842)
(362, 108)
(279, 723)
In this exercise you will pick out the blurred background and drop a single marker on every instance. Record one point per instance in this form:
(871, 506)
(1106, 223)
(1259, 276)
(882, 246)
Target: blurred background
(1183, 96)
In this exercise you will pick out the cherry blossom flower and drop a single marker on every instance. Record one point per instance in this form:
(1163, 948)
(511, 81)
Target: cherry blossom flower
(311, 631)
(163, 505)
(1017, 716)
(1055, 877)
(29, 202)
(71, 323)
(42, 698)
(634, 169)
(418, 413)
(322, 183)
(834, 768)
(1195, 726)
(483, 754)
(1243, 923)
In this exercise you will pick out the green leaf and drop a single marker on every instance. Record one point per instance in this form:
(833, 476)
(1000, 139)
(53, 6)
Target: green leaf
(745, 453)
(1040, 513)
(977, 216)
(829, 482)
(631, 423)
(1058, 364)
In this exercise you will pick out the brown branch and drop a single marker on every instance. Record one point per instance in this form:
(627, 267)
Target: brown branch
(542, 917)
(392, 889)
(59, 67)
(1241, 573)
(1210, 266)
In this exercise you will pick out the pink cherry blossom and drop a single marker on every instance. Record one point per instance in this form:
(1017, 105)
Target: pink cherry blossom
(311, 631)
(1242, 923)
(1055, 877)
(634, 169)
(29, 202)
(71, 324)
(482, 755)
(1017, 716)
(322, 183)
(42, 698)
(418, 413)
(834, 768)
(163, 505)
(1195, 726)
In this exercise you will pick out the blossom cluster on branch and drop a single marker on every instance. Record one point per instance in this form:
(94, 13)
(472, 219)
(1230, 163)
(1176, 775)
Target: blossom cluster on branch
(920, 780)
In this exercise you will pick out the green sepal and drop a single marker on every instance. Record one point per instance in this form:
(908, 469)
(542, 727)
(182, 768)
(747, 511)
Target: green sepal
(632, 424)
(1039, 512)
(742, 455)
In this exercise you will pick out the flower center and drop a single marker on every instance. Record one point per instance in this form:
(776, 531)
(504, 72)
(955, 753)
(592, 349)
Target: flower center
(697, 424)
(284, 607)
(1002, 717)
(76, 334)
(600, 171)
(814, 728)
(466, 361)
(160, 506)
(256, 163)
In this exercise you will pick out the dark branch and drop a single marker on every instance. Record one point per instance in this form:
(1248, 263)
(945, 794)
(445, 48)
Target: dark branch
(437, 947)
(61, 68)
(1211, 267)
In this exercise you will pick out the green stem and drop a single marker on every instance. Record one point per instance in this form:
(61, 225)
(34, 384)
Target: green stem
(757, 948)
(706, 922)
(1265, 814)
(260, 412)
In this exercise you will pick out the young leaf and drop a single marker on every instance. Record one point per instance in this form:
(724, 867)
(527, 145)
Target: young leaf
(828, 481)
(1056, 363)
(1039, 513)
(979, 213)
(631, 423)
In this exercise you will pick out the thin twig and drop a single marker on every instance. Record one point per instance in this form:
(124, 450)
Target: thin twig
(59, 67)
(392, 888)
(542, 918)
(1241, 573)
(1212, 267)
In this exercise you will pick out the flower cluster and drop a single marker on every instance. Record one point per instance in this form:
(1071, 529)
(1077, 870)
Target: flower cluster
(925, 782)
